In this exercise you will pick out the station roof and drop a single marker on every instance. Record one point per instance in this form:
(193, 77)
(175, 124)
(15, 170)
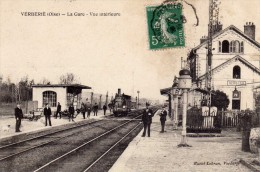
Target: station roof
(79, 86)
(166, 91)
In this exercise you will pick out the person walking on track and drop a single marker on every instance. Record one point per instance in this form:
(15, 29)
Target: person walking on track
(58, 110)
(163, 116)
(71, 113)
(18, 117)
(147, 120)
(47, 114)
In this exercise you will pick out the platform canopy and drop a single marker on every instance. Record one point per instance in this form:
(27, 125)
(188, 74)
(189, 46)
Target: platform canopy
(166, 91)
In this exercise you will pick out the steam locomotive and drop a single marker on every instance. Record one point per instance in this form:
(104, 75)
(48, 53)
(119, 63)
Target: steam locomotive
(122, 104)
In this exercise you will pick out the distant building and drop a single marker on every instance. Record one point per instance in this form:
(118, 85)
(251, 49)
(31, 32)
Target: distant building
(235, 65)
(66, 94)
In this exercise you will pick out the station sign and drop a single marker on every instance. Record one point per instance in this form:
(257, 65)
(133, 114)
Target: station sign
(234, 83)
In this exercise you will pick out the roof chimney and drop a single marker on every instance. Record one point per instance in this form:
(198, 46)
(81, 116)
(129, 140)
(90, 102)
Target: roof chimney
(203, 39)
(216, 27)
(249, 30)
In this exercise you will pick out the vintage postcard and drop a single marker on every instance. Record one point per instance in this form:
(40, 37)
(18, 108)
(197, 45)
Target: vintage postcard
(129, 85)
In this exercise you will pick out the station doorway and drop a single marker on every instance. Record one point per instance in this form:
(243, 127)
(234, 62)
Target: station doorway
(236, 104)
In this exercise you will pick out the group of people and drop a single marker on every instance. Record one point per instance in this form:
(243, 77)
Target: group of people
(147, 120)
(18, 113)
(84, 108)
(146, 117)
(47, 113)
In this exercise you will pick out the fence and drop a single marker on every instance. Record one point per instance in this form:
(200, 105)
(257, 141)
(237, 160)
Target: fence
(198, 123)
(229, 118)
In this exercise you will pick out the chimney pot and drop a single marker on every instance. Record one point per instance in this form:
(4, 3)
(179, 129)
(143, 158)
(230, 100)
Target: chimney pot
(249, 30)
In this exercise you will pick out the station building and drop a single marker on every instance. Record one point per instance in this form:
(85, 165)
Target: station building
(65, 94)
(235, 68)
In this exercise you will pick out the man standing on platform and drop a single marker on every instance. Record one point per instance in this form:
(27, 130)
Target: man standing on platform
(71, 112)
(105, 109)
(47, 114)
(18, 117)
(147, 120)
(163, 116)
(83, 109)
(95, 109)
(58, 110)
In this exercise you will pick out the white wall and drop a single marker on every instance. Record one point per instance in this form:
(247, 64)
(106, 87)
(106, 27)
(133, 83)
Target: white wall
(251, 52)
(61, 96)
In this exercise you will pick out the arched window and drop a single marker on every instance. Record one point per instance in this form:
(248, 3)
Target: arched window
(234, 47)
(236, 72)
(225, 46)
(49, 97)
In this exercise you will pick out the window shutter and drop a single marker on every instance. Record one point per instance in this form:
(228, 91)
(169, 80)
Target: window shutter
(242, 47)
(230, 46)
(219, 46)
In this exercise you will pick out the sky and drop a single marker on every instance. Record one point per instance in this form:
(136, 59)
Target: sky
(105, 53)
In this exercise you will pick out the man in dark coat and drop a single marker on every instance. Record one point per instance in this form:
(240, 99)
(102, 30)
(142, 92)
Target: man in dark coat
(95, 109)
(147, 120)
(83, 110)
(88, 109)
(163, 116)
(47, 114)
(71, 112)
(58, 110)
(18, 116)
(105, 109)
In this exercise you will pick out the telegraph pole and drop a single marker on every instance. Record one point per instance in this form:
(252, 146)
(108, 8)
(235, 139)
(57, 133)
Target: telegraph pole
(213, 21)
(209, 53)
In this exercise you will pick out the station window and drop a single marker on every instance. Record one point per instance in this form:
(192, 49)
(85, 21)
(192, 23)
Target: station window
(225, 46)
(236, 72)
(234, 47)
(49, 97)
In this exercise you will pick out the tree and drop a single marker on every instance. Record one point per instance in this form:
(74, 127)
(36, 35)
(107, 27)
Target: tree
(25, 88)
(7, 89)
(219, 99)
(44, 81)
(69, 78)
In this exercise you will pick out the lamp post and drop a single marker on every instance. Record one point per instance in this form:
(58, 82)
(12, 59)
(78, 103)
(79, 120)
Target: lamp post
(136, 102)
(184, 84)
(138, 99)
(175, 93)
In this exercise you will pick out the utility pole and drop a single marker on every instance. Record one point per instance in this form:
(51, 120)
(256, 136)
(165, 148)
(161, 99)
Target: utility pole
(212, 27)
(106, 98)
(138, 99)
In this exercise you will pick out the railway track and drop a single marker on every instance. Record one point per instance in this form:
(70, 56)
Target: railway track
(16, 151)
(9, 150)
(62, 162)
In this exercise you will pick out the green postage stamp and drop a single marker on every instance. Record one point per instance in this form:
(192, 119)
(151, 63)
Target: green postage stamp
(165, 26)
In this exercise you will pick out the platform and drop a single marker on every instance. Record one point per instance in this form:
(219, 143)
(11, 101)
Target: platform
(160, 152)
(39, 125)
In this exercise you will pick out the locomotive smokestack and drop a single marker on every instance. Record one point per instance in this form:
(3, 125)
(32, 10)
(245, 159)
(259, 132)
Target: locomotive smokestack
(119, 91)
